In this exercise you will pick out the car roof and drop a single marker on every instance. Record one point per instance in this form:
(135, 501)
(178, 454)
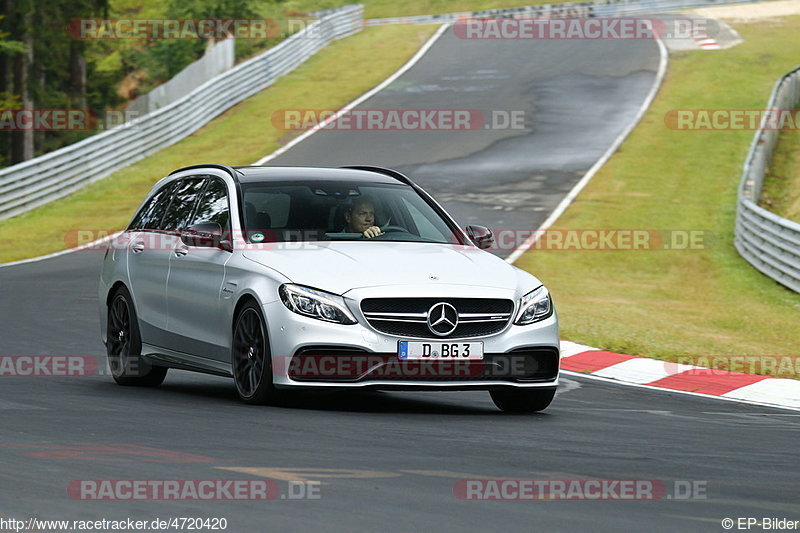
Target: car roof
(279, 173)
(256, 174)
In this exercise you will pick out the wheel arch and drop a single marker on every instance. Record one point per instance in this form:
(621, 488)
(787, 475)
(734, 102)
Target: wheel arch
(243, 300)
(113, 290)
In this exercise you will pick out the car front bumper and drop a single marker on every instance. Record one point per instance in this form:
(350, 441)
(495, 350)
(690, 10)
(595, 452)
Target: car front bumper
(310, 353)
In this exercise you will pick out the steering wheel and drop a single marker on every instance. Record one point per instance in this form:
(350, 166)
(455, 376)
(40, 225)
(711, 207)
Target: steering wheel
(387, 228)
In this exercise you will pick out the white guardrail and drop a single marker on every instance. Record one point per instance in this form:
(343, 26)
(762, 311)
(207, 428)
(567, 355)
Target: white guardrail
(598, 9)
(218, 58)
(59, 173)
(768, 242)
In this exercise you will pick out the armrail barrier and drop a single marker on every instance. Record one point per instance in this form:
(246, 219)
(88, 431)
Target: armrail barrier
(767, 241)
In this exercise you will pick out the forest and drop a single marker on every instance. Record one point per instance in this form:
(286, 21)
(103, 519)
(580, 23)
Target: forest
(47, 68)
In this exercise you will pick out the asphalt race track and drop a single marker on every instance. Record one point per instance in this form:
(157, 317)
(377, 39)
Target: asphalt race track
(576, 97)
(389, 461)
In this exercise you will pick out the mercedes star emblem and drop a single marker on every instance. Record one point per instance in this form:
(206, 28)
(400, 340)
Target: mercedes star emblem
(442, 319)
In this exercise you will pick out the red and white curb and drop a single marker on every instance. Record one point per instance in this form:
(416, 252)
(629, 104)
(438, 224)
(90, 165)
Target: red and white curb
(688, 379)
(703, 41)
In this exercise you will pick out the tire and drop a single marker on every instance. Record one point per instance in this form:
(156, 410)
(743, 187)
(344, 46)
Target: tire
(124, 345)
(251, 357)
(522, 400)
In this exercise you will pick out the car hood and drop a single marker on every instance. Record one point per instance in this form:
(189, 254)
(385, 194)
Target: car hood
(341, 266)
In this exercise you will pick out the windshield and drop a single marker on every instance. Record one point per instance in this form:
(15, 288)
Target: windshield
(316, 211)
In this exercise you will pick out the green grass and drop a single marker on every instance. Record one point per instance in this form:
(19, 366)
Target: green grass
(241, 135)
(781, 192)
(670, 303)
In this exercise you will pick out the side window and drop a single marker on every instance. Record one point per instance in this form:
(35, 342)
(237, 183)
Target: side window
(149, 216)
(181, 208)
(213, 206)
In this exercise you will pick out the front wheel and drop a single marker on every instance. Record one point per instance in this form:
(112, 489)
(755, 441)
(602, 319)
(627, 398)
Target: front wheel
(251, 357)
(124, 345)
(522, 400)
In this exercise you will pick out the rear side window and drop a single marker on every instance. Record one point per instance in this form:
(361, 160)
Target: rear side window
(213, 206)
(150, 215)
(181, 208)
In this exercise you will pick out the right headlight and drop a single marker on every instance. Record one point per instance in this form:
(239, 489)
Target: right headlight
(315, 304)
(534, 306)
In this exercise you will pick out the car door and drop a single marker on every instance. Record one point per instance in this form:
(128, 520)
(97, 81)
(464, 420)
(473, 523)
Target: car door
(148, 265)
(151, 250)
(197, 321)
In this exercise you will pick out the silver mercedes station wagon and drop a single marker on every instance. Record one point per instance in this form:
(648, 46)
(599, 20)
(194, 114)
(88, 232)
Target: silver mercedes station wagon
(321, 278)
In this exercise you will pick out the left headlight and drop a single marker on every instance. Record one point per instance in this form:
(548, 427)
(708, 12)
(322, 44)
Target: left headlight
(315, 304)
(534, 306)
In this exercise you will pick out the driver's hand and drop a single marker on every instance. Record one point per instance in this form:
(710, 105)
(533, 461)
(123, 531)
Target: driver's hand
(373, 231)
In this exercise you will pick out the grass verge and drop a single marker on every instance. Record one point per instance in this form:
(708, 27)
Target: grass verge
(240, 136)
(781, 193)
(662, 303)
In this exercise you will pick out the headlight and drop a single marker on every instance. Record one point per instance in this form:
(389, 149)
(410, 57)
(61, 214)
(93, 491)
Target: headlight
(315, 304)
(534, 306)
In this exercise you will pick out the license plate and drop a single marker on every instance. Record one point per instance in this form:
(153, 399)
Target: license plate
(452, 351)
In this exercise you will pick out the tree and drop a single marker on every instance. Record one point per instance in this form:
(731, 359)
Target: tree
(8, 48)
(42, 66)
(17, 15)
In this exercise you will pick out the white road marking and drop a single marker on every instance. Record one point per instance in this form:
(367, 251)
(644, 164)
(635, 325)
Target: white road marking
(673, 391)
(567, 385)
(366, 96)
(575, 191)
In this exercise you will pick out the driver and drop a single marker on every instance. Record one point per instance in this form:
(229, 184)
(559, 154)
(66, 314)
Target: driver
(360, 218)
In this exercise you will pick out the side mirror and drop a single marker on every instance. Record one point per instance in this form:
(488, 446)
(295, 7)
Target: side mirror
(206, 235)
(481, 236)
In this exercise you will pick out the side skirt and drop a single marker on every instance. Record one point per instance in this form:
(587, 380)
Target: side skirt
(158, 356)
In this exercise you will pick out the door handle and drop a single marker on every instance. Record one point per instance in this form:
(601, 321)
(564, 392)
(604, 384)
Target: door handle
(137, 247)
(180, 252)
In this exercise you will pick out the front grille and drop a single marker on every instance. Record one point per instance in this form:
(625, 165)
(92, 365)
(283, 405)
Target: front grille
(323, 364)
(408, 317)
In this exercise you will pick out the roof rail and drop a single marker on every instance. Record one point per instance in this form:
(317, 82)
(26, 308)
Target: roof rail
(230, 170)
(385, 171)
